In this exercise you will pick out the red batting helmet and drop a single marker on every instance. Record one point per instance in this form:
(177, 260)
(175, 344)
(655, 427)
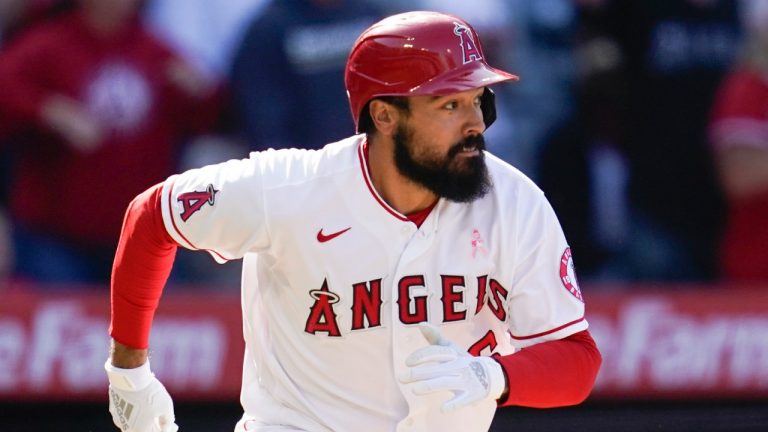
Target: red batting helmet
(419, 53)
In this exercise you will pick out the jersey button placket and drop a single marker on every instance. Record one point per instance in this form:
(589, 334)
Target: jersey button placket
(403, 339)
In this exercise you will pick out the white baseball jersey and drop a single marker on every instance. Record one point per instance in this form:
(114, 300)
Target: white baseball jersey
(335, 282)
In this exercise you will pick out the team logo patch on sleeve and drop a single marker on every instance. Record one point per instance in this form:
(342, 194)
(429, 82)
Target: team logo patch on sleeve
(194, 201)
(568, 274)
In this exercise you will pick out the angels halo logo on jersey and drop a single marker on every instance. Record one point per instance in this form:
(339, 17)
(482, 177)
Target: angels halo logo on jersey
(469, 48)
(194, 201)
(568, 274)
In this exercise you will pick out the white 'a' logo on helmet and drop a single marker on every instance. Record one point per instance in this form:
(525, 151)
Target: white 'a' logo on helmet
(469, 50)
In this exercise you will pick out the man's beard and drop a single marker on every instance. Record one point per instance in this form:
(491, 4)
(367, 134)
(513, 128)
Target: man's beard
(460, 179)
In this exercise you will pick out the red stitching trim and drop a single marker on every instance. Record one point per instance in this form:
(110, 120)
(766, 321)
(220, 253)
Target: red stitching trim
(364, 168)
(547, 332)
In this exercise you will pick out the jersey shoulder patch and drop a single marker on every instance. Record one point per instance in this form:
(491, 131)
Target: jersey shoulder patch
(193, 201)
(568, 274)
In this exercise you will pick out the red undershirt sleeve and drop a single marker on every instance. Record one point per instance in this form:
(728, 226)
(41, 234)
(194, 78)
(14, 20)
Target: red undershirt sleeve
(143, 262)
(552, 374)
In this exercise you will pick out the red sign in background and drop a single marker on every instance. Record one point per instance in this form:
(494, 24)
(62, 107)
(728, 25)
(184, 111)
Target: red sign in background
(657, 342)
(53, 344)
(681, 342)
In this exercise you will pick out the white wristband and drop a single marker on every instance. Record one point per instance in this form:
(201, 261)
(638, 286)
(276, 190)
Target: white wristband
(129, 379)
(498, 379)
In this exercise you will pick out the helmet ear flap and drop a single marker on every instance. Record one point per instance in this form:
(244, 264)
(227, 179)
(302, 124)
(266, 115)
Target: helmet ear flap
(488, 106)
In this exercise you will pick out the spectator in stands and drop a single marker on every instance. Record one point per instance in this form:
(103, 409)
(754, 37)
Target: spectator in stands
(637, 142)
(538, 42)
(582, 169)
(287, 76)
(15, 15)
(205, 32)
(96, 108)
(739, 135)
(676, 54)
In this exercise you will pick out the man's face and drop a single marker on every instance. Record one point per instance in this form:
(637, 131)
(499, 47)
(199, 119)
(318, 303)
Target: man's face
(440, 145)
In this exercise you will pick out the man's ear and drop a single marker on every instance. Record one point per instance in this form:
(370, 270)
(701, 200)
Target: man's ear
(384, 116)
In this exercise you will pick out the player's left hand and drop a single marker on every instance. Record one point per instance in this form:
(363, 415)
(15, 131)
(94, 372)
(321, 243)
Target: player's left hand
(444, 366)
(138, 401)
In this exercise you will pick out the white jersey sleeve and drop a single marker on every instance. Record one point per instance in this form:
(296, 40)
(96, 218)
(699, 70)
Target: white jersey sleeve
(546, 302)
(218, 208)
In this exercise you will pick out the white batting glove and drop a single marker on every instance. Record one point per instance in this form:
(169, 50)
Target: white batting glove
(139, 402)
(444, 366)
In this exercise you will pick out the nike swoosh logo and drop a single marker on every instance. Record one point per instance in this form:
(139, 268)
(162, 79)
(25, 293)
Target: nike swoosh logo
(322, 238)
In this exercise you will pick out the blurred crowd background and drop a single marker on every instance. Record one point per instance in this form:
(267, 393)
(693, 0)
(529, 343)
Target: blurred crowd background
(644, 121)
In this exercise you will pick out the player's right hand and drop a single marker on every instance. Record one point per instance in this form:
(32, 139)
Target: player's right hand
(138, 401)
(444, 366)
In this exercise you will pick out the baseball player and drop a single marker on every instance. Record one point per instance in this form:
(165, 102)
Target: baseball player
(400, 279)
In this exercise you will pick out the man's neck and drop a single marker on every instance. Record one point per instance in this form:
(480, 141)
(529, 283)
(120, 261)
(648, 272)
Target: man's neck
(400, 192)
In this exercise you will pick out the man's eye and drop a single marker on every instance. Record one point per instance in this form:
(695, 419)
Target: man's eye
(450, 105)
